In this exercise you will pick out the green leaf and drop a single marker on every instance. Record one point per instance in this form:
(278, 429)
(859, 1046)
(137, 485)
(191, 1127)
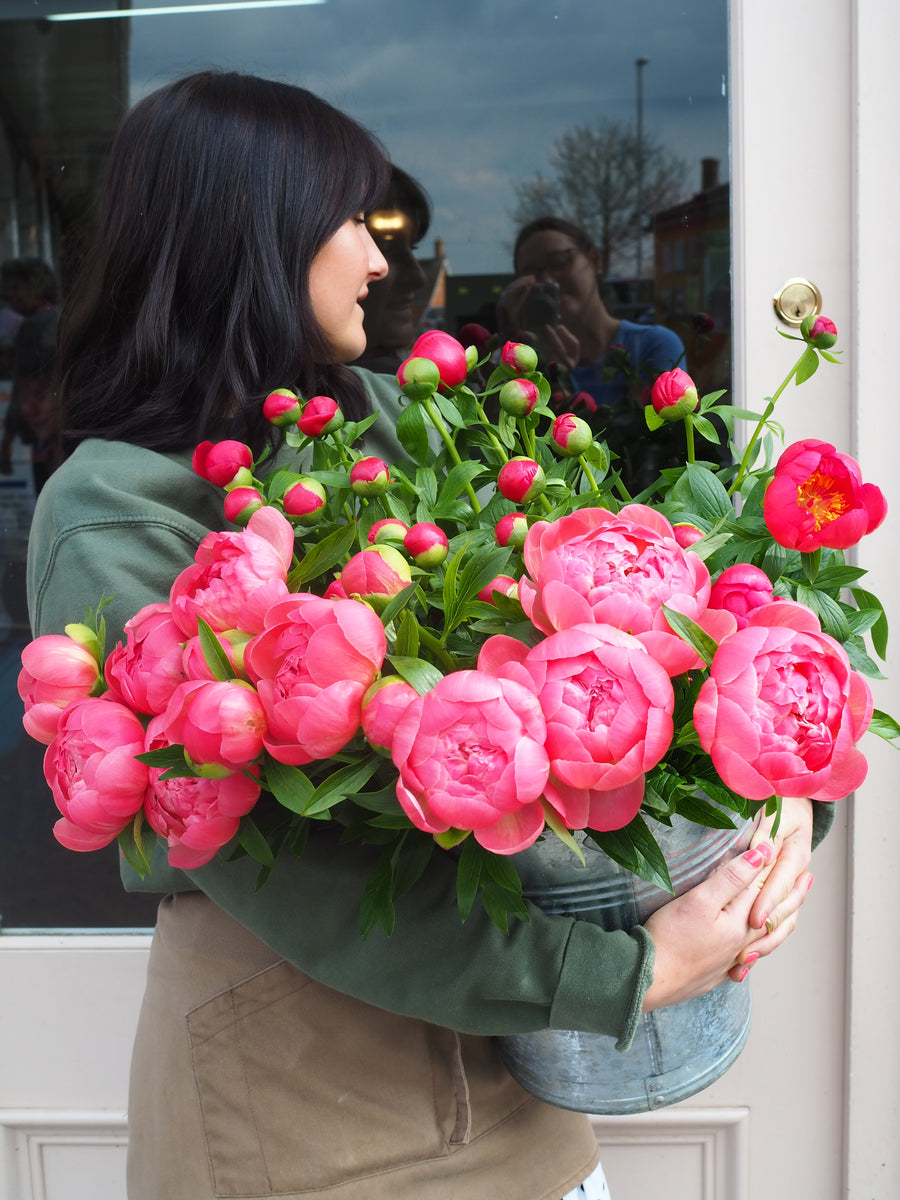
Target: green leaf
(136, 842)
(449, 412)
(377, 906)
(407, 638)
(884, 726)
(707, 430)
(421, 675)
(214, 653)
(164, 758)
(412, 432)
(398, 603)
(327, 553)
(340, 785)
(807, 367)
(691, 633)
(254, 842)
(468, 876)
(811, 563)
(865, 600)
(699, 810)
(700, 491)
(651, 860)
(653, 419)
(289, 785)
(827, 610)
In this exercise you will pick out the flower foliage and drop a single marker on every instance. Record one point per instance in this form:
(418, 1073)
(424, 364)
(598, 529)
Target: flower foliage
(482, 643)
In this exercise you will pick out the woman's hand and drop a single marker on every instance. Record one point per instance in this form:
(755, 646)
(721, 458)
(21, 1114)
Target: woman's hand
(719, 928)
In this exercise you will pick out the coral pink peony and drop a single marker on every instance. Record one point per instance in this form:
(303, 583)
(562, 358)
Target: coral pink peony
(739, 590)
(55, 671)
(145, 671)
(471, 756)
(196, 816)
(221, 724)
(781, 711)
(608, 706)
(236, 577)
(619, 569)
(383, 705)
(312, 665)
(817, 498)
(97, 783)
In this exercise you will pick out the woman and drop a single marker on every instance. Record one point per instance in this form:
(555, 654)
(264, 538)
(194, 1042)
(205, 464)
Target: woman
(277, 1053)
(609, 362)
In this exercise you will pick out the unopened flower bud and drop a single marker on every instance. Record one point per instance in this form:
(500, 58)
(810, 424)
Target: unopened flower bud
(426, 544)
(519, 358)
(320, 415)
(504, 584)
(820, 332)
(418, 378)
(375, 576)
(369, 477)
(510, 530)
(686, 535)
(282, 407)
(389, 531)
(571, 436)
(674, 395)
(518, 397)
(521, 480)
(304, 501)
(446, 353)
(226, 464)
(382, 707)
(241, 503)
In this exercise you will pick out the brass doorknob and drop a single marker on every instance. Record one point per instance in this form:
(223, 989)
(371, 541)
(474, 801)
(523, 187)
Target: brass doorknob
(797, 300)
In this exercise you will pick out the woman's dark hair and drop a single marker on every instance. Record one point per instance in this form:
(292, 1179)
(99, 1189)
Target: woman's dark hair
(579, 236)
(193, 302)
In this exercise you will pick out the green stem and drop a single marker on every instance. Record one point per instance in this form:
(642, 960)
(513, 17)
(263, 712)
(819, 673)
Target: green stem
(436, 646)
(489, 430)
(583, 463)
(689, 438)
(760, 426)
(438, 422)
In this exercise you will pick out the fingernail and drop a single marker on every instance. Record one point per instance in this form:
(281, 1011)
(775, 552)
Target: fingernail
(809, 883)
(751, 958)
(743, 975)
(764, 921)
(758, 855)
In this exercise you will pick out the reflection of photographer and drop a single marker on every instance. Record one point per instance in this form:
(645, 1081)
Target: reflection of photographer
(556, 302)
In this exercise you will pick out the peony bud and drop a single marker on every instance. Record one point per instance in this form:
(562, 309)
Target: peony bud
(471, 358)
(511, 530)
(446, 353)
(504, 584)
(241, 503)
(369, 477)
(426, 544)
(226, 464)
(519, 358)
(686, 535)
(375, 576)
(304, 500)
(571, 436)
(518, 397)
(521, 480)
(820, 332)
(320, 415)
(382, 707)
(418, 378)
(674, 395)
(475, 335)
(282, 407)
(335, 591)
(389, 531)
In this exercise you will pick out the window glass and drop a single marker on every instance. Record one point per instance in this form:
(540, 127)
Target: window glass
(613, 116)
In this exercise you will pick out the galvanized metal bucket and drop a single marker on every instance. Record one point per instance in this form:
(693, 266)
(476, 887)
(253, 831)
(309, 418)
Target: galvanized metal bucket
(677, 1051)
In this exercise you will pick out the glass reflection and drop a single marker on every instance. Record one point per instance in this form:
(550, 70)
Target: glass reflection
(612, 117)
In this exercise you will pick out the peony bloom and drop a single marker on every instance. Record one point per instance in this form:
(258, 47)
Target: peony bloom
(220, 723)
(674, 395)
(782, 711)
(375, 576)
(226, 464)
(608, 706)
(426, 544)
(55, 671)
(312, 665)
(445, 352)
(518, 397)
(282, 407)
(304, 500)
(817, 498)
(241, 503)
(145, 671)
(739, 590)
(235, 576)
(196, 816)
(383, 705)
(471, 756)
(571, 435)
(511, 530)
(618, 569)
(519, 358)
(369, 477)
(520, 480)
(320, 415)
(97, 783)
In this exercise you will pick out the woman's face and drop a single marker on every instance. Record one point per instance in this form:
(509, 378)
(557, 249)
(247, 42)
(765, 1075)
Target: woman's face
(339, 280)
(552, 255)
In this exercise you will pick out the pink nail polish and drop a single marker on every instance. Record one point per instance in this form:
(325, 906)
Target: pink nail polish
(755, 857)
(743, 974)
(751, 958)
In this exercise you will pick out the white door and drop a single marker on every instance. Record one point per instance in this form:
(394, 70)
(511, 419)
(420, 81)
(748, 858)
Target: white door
(810, 1110)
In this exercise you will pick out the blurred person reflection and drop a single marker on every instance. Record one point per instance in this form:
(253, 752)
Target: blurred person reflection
(33, 415)
(602, 366)
(397, 227)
